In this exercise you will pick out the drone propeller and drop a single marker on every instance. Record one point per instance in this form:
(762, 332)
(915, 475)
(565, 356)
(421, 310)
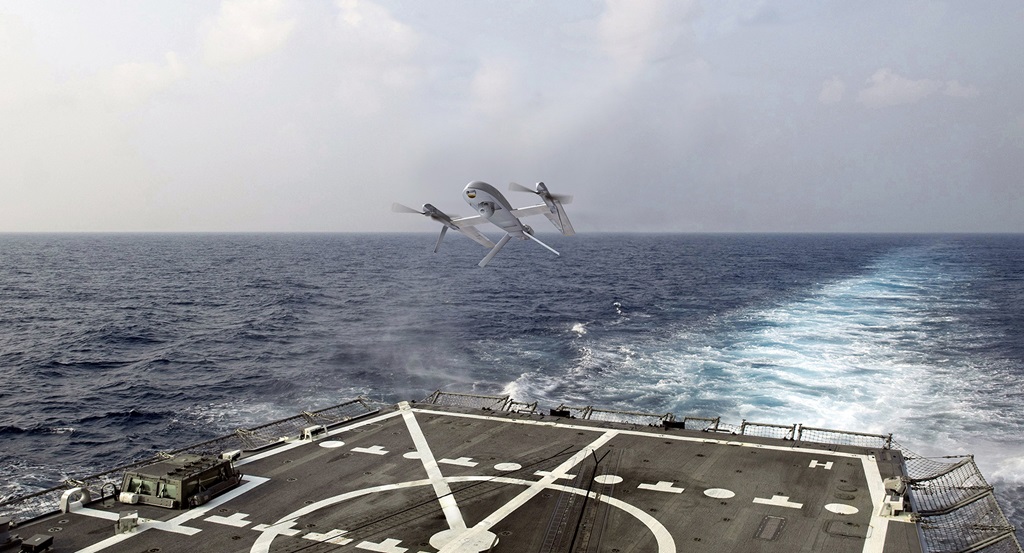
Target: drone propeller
(543, 193)
(399, 208)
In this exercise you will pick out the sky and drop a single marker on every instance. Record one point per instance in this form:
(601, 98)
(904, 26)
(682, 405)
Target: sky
(656, 115)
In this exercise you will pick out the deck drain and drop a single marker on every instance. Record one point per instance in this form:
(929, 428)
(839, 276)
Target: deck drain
(846, 529)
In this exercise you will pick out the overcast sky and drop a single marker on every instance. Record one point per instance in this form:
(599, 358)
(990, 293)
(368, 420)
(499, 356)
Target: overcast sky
(278, 115)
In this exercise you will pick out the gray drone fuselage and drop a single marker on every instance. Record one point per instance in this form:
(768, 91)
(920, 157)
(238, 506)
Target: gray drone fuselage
(492, 205)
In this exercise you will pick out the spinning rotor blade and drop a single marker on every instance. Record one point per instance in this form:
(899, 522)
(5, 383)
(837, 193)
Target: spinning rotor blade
(563, 198)
(516, 187)
(399, 208)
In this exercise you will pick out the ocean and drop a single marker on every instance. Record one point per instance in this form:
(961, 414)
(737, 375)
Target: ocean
(116, 346)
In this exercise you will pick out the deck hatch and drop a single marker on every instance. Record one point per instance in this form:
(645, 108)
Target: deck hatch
(770, 528)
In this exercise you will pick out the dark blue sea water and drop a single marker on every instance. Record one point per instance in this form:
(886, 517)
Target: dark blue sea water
(116, 346)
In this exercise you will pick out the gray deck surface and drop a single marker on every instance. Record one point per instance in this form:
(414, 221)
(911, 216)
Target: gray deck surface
(431, 478)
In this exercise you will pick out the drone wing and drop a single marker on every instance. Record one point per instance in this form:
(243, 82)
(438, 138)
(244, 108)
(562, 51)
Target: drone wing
(476, 236)
(467, 226)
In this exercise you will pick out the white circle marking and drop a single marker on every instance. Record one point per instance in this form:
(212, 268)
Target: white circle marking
(719, 493)
(841, 509)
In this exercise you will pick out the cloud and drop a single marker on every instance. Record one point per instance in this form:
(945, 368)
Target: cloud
(886, 88)
(494, 87)
(957, 90)
(832, 91)
(380, 56)
(634, 34)
(375, 31)
(245, 30)
(130, 84)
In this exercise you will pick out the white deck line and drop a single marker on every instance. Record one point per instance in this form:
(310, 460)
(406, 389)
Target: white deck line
(445, 497)
(875, 541)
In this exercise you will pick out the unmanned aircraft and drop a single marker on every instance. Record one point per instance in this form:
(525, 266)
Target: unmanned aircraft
(493, 207)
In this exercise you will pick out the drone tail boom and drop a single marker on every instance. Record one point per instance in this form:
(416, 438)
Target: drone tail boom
(494, 251)
(437, 247)
(537, 240)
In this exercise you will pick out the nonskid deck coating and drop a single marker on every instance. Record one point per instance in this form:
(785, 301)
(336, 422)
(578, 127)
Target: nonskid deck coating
(435, 478)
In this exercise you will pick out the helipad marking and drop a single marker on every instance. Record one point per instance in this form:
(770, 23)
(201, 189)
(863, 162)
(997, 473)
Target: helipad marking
(414, 455)
(334, 536)
(873, 544)
(237, 520)
(508, 466)
(547, 474)
(331, 444)
(482, 541)
(779, 501)
(875, 541)
(281, 527)
(815, 464)
(372, 450)
(608, 479)
(662, 487)
(389, 545)
(485, 525)
(666, 544)
(461, 461)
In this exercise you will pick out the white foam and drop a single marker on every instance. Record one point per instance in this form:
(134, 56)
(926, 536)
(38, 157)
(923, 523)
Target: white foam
(881, 352)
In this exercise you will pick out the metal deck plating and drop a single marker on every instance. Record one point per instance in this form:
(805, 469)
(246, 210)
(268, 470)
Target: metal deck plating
(428, 477)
